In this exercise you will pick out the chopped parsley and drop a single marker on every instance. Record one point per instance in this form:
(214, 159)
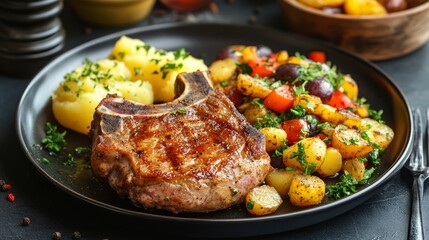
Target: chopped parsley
(244, 68)
(250, 204)
(308, 168)
(279, 151)
(53, 140)
(296, 112)
(180, 53)
(269, 120)
(344, 187)
(69, 161)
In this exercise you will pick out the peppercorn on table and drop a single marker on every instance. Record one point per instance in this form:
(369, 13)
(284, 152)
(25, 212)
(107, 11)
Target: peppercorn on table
(34, 208)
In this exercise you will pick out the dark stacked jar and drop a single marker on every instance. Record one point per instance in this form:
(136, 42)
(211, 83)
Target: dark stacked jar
(30, 31)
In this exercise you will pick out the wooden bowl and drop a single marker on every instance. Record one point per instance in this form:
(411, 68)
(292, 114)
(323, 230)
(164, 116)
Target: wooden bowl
(112, 13)
(371, 37)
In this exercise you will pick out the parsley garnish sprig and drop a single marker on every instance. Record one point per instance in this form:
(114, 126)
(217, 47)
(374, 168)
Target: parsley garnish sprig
(344, 187)
(53, 140)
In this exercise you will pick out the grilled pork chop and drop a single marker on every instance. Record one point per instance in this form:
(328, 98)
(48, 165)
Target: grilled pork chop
(194, 154)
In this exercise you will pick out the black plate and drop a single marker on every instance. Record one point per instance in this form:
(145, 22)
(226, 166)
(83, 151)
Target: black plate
(205, 40)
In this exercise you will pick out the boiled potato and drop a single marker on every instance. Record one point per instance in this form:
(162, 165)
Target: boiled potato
(306, 155)
(355, 167)
(223, 70)
(281, 179)
(126, 46)
(263, 200)
(364, 7)
(332, 164)
(161, 68)
(250, 86)
(350, 142)
(306, 190)
(134, 70)
(75, 100)
(274, 137)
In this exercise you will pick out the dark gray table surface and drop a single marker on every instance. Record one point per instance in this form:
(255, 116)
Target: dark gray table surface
(383, 216)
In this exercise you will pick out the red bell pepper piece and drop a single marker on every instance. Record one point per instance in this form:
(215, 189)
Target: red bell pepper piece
(280, 99)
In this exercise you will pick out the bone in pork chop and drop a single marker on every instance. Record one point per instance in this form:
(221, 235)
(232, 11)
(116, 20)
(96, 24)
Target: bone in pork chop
(194, 154)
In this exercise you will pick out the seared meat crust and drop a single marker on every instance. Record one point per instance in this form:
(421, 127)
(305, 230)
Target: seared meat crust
(195, 154)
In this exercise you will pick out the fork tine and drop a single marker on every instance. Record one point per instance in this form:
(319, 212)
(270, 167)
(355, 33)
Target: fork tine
(416, 160)
(427, 136)
(415, 132)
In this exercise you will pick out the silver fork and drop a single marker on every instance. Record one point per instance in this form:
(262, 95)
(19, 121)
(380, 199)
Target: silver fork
(420, 170)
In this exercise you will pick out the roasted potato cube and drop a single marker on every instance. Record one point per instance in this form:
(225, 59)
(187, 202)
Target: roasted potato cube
(282, 56)
(281, 179)
(336, 116)
(250, 86)
(306, 190)
(364, 7)
(306, 155)
(378, 133)
(249, 53)
(350, 87)
(332, 164)
(355, 167)
(308, 102)
(252, 112)
(222, 70)
(350, 142)
(274, 137)
(263, 200)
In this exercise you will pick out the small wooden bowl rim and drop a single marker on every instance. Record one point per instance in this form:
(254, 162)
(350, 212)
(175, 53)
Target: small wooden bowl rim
(308, 9)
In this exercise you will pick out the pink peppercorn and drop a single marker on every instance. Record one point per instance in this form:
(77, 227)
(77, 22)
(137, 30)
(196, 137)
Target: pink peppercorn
(10, 197)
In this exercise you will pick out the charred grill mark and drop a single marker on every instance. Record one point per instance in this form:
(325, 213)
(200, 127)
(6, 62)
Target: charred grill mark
(110, 123)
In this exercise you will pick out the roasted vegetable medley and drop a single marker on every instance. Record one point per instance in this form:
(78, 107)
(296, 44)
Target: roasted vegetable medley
(315, 125)
(361, 7)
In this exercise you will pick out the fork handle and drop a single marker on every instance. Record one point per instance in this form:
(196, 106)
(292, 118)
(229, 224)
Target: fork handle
(416, 220)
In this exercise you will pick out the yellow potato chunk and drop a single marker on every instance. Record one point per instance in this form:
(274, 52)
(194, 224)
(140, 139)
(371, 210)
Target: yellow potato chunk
(306, 190)
(306, 155)
(274, 137)
(161, 68)
(355, 167)
(250, 86)
(281, 180)
(350, 87)
(134, 70)
(75, 100)
(263, 200)
(335, 115)
(364, 7)
(222, 70)
(308, 102)
(350, 142)
(332, 164)
(378, 133)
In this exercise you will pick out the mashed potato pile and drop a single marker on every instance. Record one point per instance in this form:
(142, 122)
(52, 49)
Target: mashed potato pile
(134, 70)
